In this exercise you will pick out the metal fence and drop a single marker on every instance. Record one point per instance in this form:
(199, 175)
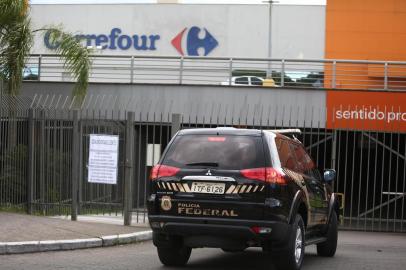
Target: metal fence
(44, 156)
(44, 160)
(316, 74)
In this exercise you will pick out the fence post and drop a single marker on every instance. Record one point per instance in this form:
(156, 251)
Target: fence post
(1, 94)
(385, 82)
(334, 151)
(30, 176)
(283, 73)
(39, 67)
(181, 70)
(1, 107)
(132, 70)
(230, 71)
(41, 158)
(175, 124)
(333, 79)
(129, 168)
(80, 166)
(75, 165)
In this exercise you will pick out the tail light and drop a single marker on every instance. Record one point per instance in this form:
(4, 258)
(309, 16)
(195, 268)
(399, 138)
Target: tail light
(267, 175)
(261, 230)
(163, 171)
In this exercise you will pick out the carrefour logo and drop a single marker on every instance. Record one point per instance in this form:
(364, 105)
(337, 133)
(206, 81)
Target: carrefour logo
(193, 42)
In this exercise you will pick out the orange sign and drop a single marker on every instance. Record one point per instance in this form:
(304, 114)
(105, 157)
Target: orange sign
(366, 110)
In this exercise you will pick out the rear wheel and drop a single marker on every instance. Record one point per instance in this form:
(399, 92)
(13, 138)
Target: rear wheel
(171, 250)
(329, 247)
(174, 256)
(291, 258)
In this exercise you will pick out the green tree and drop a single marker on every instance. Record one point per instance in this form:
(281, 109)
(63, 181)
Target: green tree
(16, 39)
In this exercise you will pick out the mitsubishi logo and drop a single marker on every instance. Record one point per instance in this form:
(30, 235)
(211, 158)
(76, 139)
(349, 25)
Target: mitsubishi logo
(208, 172)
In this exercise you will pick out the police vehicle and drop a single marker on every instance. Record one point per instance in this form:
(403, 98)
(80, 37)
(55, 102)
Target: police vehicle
(237, 188)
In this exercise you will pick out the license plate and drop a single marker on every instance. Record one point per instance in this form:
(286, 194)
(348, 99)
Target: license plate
(212, 188)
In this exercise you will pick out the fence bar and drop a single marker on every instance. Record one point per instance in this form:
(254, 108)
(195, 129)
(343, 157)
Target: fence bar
(349, 74)
(42, 154)
(176, 119)
(283, 73)
(39, 67)
(30, 176)
(334, 151)
(129, 168)
(1, 95)
(81, 158)
(75, 166)
(385, 82)
(181, 70)
(132, 70)
(230, 71)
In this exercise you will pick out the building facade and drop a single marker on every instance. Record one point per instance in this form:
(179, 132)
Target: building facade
(373, 31)
(189, 30)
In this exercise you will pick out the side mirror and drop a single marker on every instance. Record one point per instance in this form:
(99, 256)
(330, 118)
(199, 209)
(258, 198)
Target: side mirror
(329, 175)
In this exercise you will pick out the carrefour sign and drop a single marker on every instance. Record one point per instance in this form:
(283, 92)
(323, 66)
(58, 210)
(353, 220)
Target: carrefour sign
(113, 41)
(187, 42)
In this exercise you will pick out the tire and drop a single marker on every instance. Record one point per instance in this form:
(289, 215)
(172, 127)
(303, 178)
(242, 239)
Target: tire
(291, 258)
(174, 256)
(329, 247)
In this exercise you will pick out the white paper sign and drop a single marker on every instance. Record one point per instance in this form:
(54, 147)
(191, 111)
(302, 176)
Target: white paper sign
(103, 157)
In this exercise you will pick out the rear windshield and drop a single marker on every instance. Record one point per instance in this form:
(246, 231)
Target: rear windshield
(223, 152)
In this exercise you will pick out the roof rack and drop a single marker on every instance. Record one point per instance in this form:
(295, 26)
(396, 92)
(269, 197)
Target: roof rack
(286, 131)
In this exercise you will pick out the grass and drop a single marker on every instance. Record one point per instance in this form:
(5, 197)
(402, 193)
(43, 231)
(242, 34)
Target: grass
(20, 209)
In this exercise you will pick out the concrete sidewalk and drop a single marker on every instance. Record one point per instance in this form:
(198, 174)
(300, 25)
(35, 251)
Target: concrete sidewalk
(21, 233)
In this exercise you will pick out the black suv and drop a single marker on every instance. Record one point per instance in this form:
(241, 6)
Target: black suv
(236, 188)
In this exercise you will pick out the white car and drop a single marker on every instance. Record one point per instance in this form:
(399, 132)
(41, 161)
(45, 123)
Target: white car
(244, 81)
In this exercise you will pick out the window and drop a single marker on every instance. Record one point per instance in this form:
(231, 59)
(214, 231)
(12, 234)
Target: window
(229, 152)
(286, 155)
(30, 73)
(241, 80)
(256, 81)
(305, 163)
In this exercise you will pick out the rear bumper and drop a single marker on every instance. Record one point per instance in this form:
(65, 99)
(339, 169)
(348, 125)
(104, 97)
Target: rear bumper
(219, 232)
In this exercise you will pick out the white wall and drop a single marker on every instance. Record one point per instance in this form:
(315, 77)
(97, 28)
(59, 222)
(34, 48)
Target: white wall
(298, 32)
(229, 105)
(241, 30)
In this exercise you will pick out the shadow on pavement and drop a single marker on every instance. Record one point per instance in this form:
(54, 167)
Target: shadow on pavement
(250, 259)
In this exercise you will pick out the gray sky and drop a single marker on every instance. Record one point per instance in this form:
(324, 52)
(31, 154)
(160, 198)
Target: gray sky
(301, 2)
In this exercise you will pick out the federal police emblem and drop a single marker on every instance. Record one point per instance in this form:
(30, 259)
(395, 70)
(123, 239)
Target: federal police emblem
(166, 203)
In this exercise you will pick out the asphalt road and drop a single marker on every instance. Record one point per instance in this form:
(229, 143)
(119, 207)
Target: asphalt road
(356, 251)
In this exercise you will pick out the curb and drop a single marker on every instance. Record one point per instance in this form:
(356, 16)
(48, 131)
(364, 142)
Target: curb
(55, 245)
